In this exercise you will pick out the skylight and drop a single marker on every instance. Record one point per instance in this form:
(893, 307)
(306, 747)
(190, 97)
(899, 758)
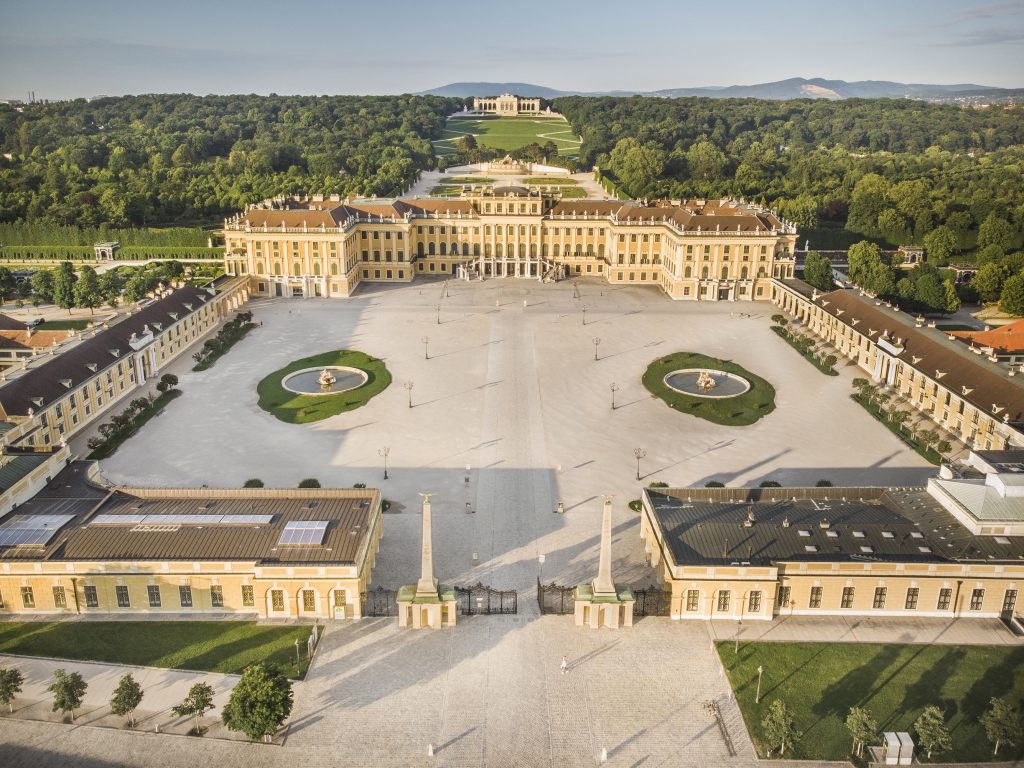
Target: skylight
(299, 533)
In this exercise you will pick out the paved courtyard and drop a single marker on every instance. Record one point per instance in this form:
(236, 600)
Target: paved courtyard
(511, 390)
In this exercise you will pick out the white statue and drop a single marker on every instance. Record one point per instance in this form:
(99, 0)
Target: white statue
(326, 380)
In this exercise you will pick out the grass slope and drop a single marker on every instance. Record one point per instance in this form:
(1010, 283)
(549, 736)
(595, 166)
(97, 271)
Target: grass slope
(303, 409)
(739, 411)
(821, 682)
(508, 133)
(205, 646)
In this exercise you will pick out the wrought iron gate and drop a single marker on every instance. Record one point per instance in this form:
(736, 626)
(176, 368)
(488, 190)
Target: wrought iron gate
(553, 598)
(480, 599)
(380, 602)
(652, 601)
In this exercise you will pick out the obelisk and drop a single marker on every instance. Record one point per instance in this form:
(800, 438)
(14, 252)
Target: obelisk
(603, 584)
(427, 585)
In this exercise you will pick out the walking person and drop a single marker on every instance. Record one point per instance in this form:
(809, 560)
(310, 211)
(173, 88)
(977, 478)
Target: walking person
(565, 664)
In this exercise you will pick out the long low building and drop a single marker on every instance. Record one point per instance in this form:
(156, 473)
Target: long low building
(757, 554)
(972, 397)
(83, 547)
(54, 397)
(711, 250)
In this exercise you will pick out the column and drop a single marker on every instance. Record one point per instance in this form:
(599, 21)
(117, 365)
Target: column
(427, 584)
(603, 584)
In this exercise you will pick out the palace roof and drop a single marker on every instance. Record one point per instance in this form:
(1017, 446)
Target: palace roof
(89, 522)
(1007, 339)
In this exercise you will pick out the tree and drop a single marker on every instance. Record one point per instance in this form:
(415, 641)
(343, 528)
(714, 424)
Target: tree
(260, 702)
(167, 381)
(64, 286)
(940, 244)
(42, 284)
(126, 698)
(10, 685)
(87, 290)
(68, 690)
(823, 484)
(818, 271)
(196, 704)
(932, 734)
(111, 285)
(310, 482)
(7, 284)
(777, 725)
(253, 482)
(952, 300)
(861, 727)
(714, 484)
(988, 281)
(995, 231)
(1002, 724)
(466, 144)
(705, 161)
(1011, 300)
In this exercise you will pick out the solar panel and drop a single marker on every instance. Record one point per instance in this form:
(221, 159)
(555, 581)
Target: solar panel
(140, 519)
(300, 533)
(39, 521)
(32, 530)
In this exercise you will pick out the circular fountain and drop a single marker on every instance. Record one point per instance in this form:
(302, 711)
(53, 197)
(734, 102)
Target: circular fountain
(324, 381)
(703, 382)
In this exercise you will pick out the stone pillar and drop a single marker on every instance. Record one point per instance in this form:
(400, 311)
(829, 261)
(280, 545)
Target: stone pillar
(603, 584)
(427, 585)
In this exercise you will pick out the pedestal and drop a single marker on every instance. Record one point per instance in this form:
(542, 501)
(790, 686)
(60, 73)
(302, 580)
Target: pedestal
(421, 610)
(604, 610)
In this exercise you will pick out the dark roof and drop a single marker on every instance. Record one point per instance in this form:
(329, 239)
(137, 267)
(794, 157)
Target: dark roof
(699, 530)
(970, 376)
(43, 384)
(13, 467)
(350, 515)
(8, 323)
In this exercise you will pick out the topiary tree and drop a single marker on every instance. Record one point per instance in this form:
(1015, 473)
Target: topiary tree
(862, 728)
(259, 703)
(932, 734)
(1001, 722)
(823, 484)
(658, 484)
(126, 698)
(771, 484)
(196, 703)
(10, 685)
(310, 482)
(778, 727)
(714, 484)
(253, 482)
(68, 690)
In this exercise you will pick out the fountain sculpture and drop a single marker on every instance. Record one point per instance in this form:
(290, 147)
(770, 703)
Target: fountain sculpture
(326, 380)
(706, 382)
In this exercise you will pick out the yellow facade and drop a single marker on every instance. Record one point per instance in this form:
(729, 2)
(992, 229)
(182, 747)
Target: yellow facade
(696, 250)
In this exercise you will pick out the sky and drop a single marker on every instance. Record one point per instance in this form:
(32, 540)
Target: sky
(62, 49)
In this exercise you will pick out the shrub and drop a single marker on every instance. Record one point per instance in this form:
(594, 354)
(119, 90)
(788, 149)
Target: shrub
(310, 482)
(771, 484)
(823, 484)
(714, 484)
(253, 482)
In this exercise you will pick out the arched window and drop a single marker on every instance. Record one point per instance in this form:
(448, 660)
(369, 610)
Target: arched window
(522, 250)
(295, 269)
(704, 273)
(487, 229)
(476, 249)
(760, 271)
(579, 248)
(277, 268)
(510, 229)
(600, 250)
(430, 249)
(316, 269)
(522, 229)
(689, 272)
(743, 273)
(259, 268)
(497, 250)
(419, 249)
(487, 249)
(533, 250)
(725, 273)
(444, 248)
(453, 249)
(334, 269)
(465, 249)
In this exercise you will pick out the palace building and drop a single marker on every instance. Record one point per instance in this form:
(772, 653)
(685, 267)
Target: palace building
(712, 250)
(948, 550)
(81, 547)
(507, 105)
(963, 391)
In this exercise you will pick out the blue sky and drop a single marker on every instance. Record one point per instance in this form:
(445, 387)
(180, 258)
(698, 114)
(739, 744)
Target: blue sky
(62, 49)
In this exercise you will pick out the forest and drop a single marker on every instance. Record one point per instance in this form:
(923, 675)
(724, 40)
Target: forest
(892, 171)
(183, 160)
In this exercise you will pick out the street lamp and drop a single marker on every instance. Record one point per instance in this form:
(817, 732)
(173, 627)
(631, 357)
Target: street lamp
(597, 343)
(384, 453)
(614, 388)
(639, 453)
(760, 671)
(408, 388)
(426, 347)
(438, 308)
(739, 626)
(298, 661)
(584, 314)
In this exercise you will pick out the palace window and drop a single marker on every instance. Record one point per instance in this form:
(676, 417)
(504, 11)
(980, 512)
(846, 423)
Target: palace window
(815, 601)
(123, 600)
(784, 595)
(153, 591)
(723, 600)
(277, 599)
(1009, 600)
(754, 602)
(92, 599)
(847, 601)
(60, 598)
(308, 600)
(217, 596)
(692, 599)
(879, 601)
(977, 599)
(185, 596)
(340, 598)
(28, 600)
(912, 595)
(248, 599)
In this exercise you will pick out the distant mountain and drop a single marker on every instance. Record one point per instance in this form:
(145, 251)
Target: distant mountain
(793, 88)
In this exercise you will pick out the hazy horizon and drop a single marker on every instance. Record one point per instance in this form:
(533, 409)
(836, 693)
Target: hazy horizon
(63, 50)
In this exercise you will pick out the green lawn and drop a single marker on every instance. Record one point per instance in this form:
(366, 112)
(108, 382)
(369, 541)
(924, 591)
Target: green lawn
(63, 325)
(205, 646)
(508, 133)
(820, 682)
(739, 411)
(303, 409)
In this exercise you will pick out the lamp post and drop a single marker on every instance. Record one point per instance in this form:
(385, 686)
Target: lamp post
(760, 671)
(298, 661)
(426, 347)
(639, 453)
(597, 343)
(584, 314)
(408, 388)
(384, 453)
(614, 388)
(739, 626)
(438, 308)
